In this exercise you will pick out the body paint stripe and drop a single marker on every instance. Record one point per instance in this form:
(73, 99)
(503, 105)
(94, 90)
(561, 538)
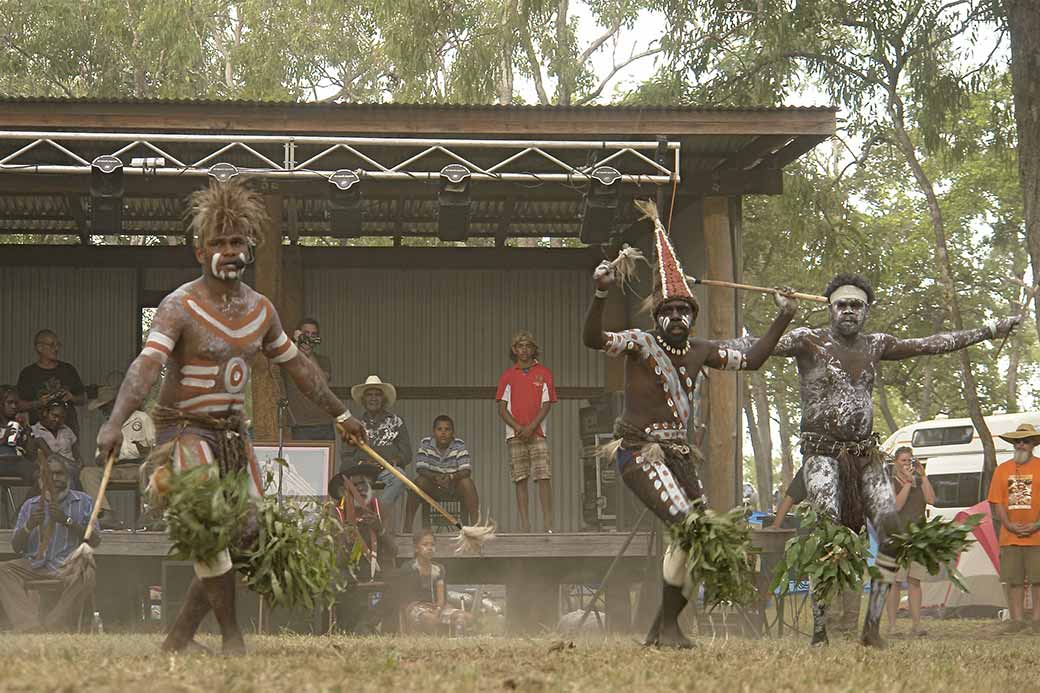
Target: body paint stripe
(159, 356)
(289, 355)
(200, 370)
(234, 333)
(207, 399)
(196, 382)
(161, 339)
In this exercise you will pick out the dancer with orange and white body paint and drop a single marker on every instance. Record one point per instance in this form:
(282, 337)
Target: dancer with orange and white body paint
(206, 334)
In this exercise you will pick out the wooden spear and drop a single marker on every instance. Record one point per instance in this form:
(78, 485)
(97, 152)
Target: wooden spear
(470, 538)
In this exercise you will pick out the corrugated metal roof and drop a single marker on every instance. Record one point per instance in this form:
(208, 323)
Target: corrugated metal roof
(425, 105)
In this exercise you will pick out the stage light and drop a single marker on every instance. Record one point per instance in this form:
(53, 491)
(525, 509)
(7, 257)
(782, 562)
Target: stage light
(346, 208)
(223, 171)
(106, 195)
(453, 203)
(599, 208)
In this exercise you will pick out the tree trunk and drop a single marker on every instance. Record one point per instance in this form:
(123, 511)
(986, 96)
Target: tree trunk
(886, 412)
(786, 433)
(764, 470)
(756, 438)
(942, 259)
(564, 78)
(1014, 360)
(1023, 18)
(508, 35)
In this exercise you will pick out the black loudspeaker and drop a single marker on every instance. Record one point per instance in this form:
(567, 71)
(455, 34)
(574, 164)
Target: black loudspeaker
(106, 195)
(598, 417)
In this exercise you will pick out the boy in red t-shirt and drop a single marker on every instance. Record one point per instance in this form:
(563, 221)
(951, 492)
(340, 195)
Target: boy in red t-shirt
(1013, 493)
(525, 394)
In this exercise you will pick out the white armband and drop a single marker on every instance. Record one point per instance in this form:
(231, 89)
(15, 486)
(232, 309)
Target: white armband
(158, 346)
(282, 349)
(345, 416)
(732, 359)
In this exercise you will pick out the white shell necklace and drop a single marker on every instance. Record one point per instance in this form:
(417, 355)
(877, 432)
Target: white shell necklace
(670, 349)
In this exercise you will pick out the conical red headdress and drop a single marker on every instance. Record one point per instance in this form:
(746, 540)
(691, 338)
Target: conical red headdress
(670, 282)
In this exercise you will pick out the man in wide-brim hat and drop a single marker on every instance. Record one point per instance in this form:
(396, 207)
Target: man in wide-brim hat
(1013, 494)
(388, 436)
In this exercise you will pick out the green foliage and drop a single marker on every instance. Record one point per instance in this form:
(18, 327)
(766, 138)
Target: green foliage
(831, 556)
(205, 512)
(720, 555)
(935, 543)
(296, 559)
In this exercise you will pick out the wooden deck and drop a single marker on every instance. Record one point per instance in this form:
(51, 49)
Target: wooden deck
(531, 566)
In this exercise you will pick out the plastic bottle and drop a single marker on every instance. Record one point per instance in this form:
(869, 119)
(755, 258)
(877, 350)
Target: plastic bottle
(99, 627)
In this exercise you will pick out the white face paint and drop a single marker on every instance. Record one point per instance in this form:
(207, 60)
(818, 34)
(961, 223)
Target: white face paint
(687, 320)
(226, 274)
(664, 321)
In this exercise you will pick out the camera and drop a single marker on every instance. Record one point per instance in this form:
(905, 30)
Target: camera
(308, 340)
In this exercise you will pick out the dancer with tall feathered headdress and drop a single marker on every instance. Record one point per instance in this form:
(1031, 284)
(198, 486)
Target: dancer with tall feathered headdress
(206, 334)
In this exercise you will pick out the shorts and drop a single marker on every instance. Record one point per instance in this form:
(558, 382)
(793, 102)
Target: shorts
(1019, 565)
(915, 572)
(529, 458)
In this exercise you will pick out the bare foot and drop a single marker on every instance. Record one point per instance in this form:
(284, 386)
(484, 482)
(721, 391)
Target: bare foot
(673, 638)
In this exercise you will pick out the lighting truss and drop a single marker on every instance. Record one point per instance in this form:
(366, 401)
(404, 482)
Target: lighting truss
(380, 158)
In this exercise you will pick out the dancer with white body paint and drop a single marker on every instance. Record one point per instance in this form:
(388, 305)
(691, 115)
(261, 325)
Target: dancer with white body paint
(206, 334)
(844, 472)
(653, 452)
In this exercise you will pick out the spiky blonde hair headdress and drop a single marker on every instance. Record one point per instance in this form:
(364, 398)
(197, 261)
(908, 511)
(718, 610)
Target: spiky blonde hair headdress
(669, 280)
(223, 209)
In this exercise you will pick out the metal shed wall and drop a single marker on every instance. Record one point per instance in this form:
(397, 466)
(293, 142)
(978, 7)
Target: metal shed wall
(94, 313)
(453, 328)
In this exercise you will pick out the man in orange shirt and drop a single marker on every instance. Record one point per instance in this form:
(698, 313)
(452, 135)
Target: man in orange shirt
(1012, 493)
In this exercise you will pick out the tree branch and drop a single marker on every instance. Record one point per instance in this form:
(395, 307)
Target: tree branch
(600, 40)
(536, 68)
(594, 94)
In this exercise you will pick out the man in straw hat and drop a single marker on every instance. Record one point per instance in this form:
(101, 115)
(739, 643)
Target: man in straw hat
(844, 470)
(387, 436)
(653, 453)
(138, 440)
(1013, 493)
(206, 334)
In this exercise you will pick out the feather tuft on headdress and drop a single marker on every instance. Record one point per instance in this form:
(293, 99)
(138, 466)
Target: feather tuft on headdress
(223, 209)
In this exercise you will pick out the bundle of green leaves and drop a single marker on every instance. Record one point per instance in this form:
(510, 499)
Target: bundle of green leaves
(297, 559)
(935, 543)
(720, 555)
(205, 512)
(831, 556)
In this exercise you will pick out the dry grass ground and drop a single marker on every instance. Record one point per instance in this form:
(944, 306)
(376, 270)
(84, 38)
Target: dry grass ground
(956, 655)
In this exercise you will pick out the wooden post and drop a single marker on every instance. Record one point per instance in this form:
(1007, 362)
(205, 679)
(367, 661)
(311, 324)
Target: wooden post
(268, 280)
(724, 400)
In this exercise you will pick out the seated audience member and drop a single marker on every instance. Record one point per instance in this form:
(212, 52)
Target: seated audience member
(15, 456)
(138, 440)
(423, 592)
(442, 465)
(51, 431)
(353, 503)
(387, 436)
(61, 524)
(48, 380)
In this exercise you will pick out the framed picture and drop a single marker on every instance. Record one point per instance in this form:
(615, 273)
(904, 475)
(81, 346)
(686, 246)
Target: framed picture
(308, 468)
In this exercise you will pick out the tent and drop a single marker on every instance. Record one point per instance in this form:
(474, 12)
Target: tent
(979, 565)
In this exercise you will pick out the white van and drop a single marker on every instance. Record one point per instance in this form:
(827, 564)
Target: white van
(951, 452)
